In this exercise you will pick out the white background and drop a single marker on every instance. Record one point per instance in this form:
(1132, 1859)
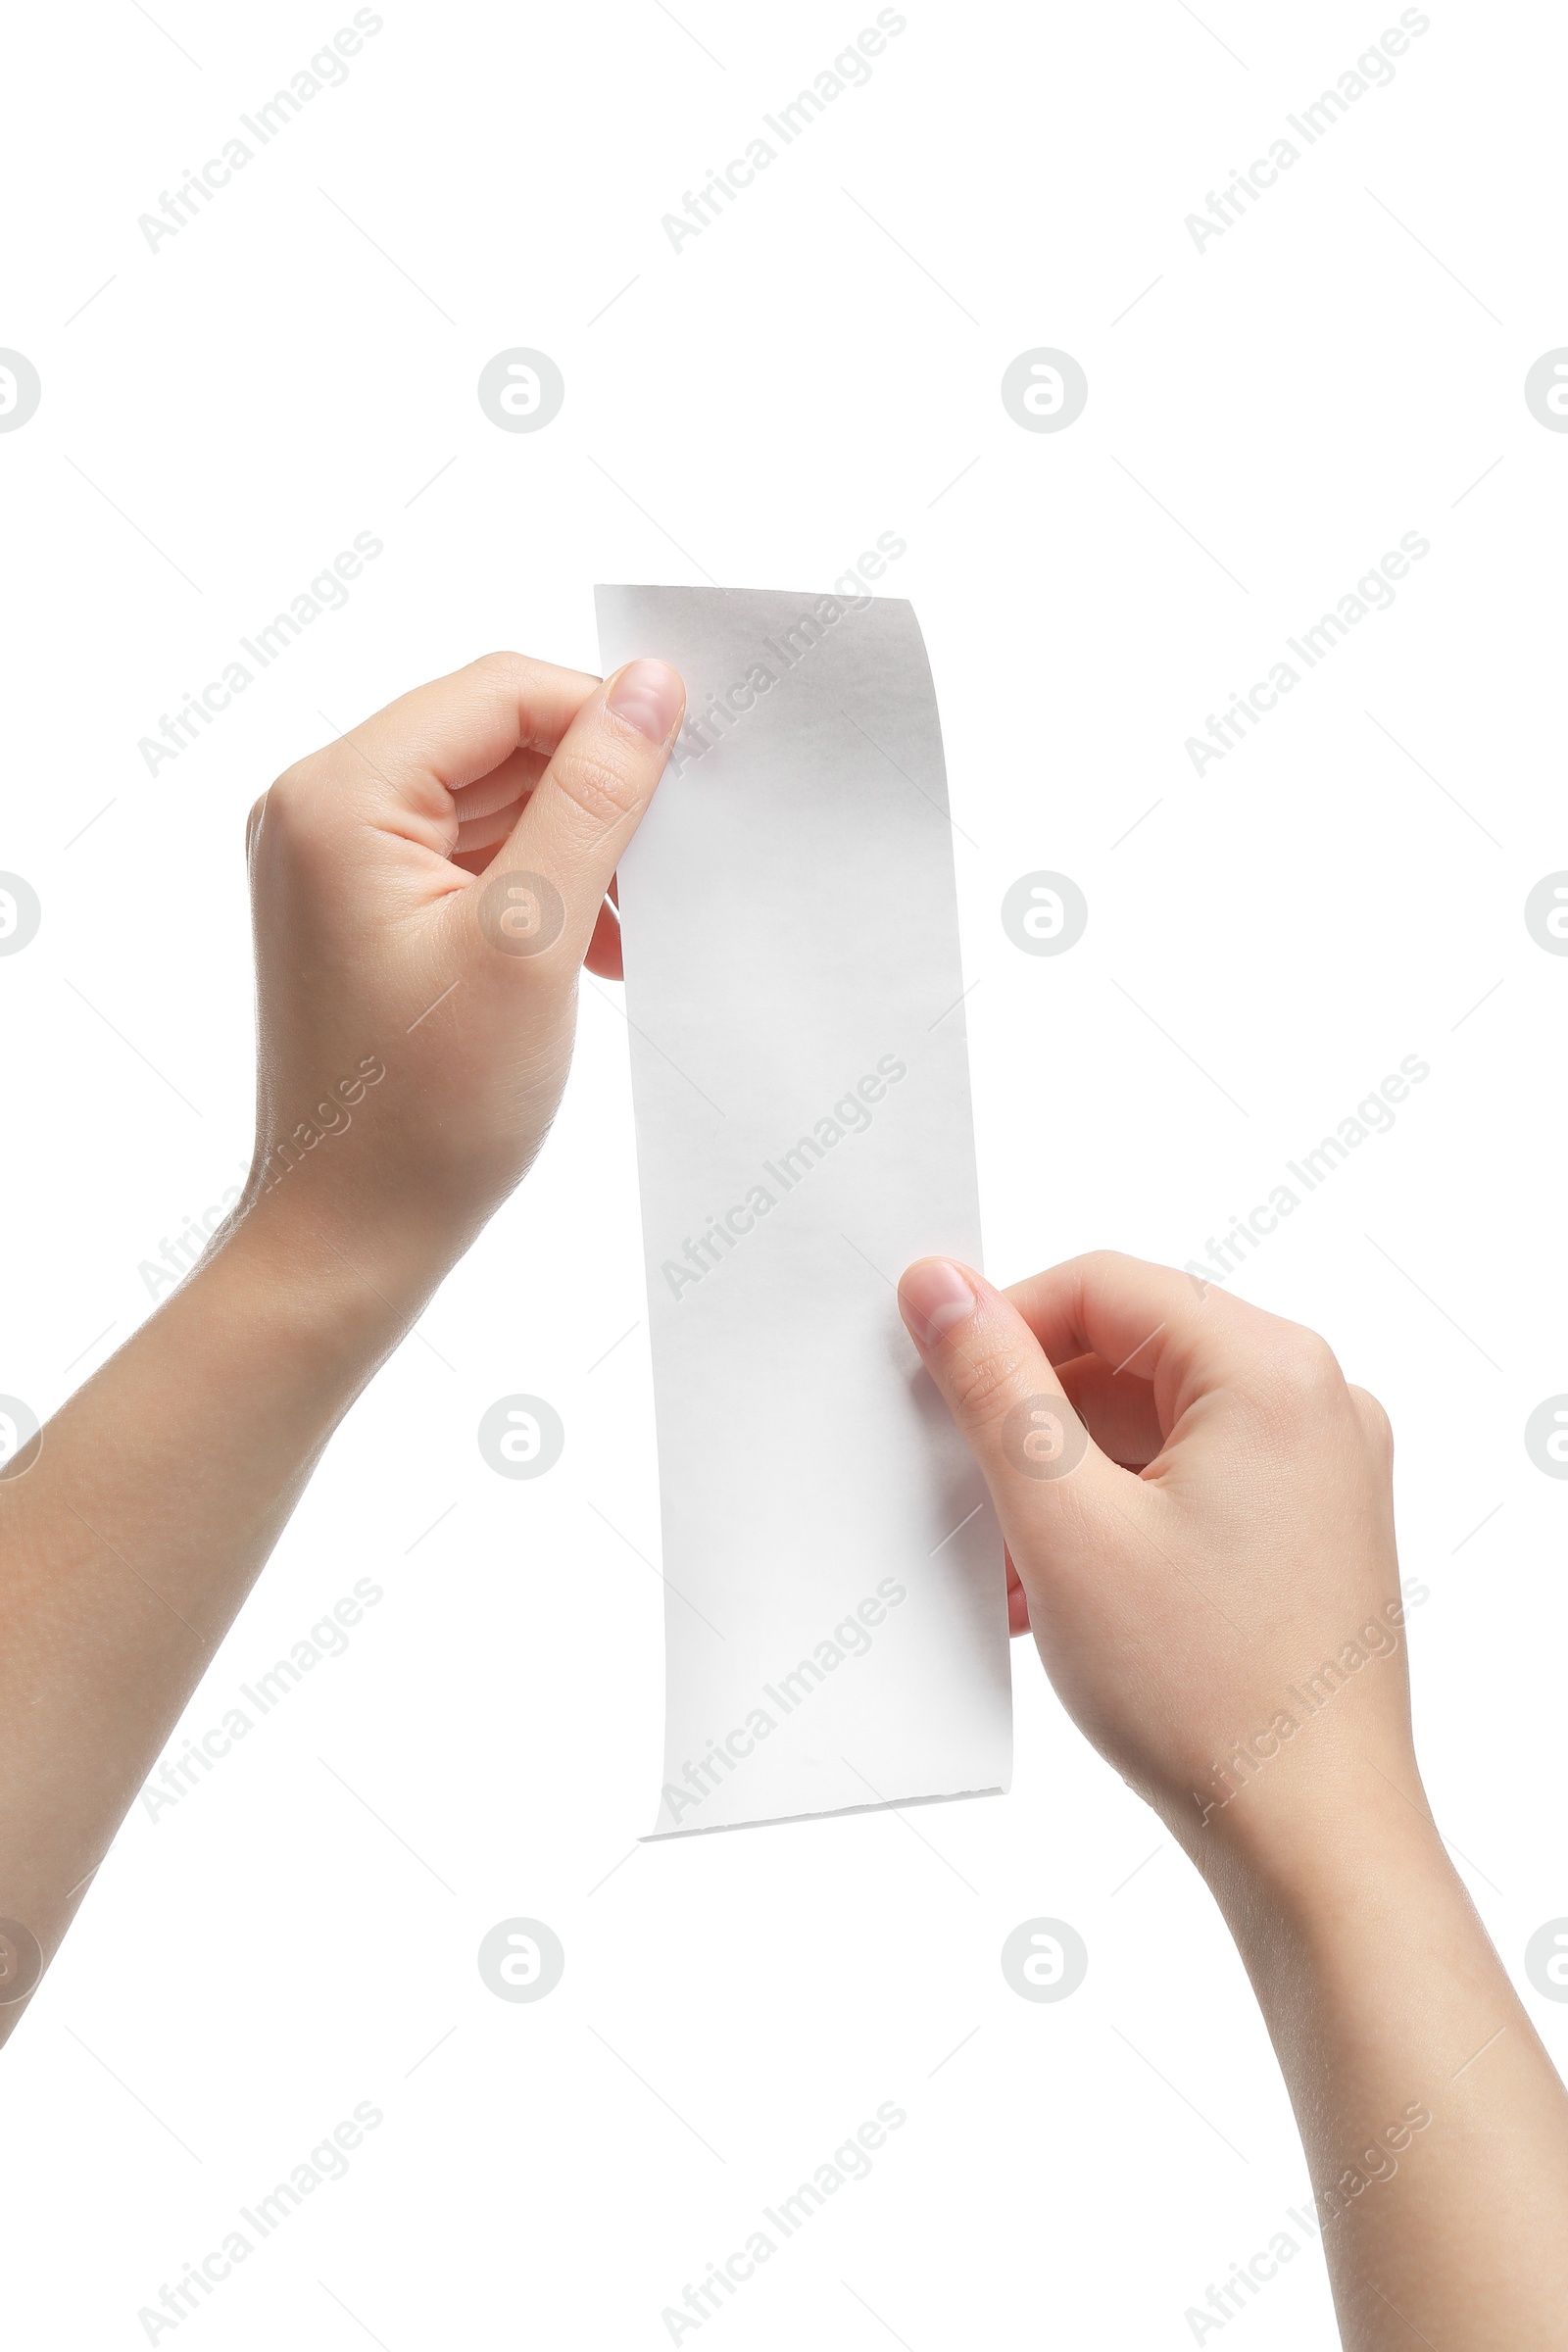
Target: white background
(1344, 365)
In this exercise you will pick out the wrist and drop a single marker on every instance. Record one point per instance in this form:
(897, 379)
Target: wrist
(1337, 1866)
(345, 1297)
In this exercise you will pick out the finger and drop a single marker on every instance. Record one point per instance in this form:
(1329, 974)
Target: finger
(484, 832)
(591, 798)
(487, 811)
(1375, 1422)
(604, 949)
(1049, 1481)
(402, 767)
(1018, 1599)
(1184, 1337)
(505, 787)
(1117, 1409)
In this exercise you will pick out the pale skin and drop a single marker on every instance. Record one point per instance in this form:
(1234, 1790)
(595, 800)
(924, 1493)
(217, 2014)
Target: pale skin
(131, 1536)
(1228, 1529)
(1198, 1514)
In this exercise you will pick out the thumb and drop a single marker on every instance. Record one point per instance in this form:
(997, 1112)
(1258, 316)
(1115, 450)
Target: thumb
(1049, 1480)
(551, 877)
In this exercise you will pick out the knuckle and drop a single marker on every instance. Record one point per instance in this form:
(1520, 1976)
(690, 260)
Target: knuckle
(1375, 1420)
(1299, 1359)
(1100, 1263)
(1296, 1376)
(604, 790)
(287, 818)
(509, 672)
(294, 787)
(985, 1386)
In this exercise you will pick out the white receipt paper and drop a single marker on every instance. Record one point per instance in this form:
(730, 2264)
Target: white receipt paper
(835, 1605)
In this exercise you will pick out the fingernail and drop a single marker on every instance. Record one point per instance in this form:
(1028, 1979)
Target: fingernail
(934, 1297)
(648, 695)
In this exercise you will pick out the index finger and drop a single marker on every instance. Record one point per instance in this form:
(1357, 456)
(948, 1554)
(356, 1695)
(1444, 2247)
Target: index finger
(408, 760)
(1150, 1322)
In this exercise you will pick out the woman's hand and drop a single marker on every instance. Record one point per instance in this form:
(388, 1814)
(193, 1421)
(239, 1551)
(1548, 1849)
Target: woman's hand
(425, 894)
(1222, 1615)
(425, 891)
(1200, 1514)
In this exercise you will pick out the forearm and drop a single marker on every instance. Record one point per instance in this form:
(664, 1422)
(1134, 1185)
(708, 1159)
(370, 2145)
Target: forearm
(128, 1548)
(415, 1015)
(1434, 2128)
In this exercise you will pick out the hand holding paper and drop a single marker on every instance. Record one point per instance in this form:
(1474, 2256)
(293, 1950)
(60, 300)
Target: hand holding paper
(425, 891)
(1183, 1605)
(1224, 1620)
(416, 1022)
